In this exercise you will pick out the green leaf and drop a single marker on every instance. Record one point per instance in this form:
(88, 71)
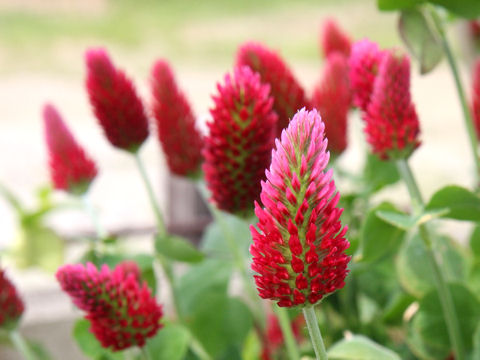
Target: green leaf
(177, 248)
(475, 241)
(378, 237)
(89, 344)
(360, 348)
(407, 222)
(378, 173)
(476, 344)
(463, 204)
(389, 5)
(420, 38)
(252, 346)
(170, 343)
(469, 9)
(429, 321)
(395, 309)
(413, 268)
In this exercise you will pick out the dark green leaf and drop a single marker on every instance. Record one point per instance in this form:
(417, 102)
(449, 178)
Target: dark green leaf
(469, 9)
(360, 347)
(89, 344)
(463, 204)
(170, 343)
(476, 344)
(475, 241)
(177, 248)
(378, 173)
(420, 39)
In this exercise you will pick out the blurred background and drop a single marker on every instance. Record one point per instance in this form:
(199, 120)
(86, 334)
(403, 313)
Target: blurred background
(42, 45)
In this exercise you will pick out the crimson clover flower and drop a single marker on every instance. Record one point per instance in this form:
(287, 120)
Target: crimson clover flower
(11, 304)
(115, 102)
(287, 92)
(181, 141)
(299, 247)
(71, 169)
(332, 97)
(475, 105)
(333, 39)
(122, 311)
(392, 126)
(238, 147)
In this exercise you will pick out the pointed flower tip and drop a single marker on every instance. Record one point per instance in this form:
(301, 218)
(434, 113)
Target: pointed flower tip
(238, 148)
(115, 102)
(122, 311)
(176, 129)
(71, 169)
(298, 250)
(475, 102)
(10, 302)
(333, 39)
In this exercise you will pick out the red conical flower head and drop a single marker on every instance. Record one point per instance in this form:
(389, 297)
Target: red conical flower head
(115, 102)
(299, 247)
(240, 142)
(70, 167)
(392, 126)
(476, 96)
(364, 63)
(287, 93)
(332, 97)
(181, 141)
(10, 303)
(121, 311)
(333, 39)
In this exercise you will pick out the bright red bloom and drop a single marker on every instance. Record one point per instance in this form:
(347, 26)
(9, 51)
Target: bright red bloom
(364, 64)
(332, 97)
(238, 148)
(287, 93)
(476, 96)
(392, 126)
(121, 311)
(181, 141)
(274, 336)
(115, 102)
(71, 169)
(11, 304)
(334, 39)
(298, 249)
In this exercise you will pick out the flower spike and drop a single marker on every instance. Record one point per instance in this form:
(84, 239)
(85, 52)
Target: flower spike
(115, 102)
(10, 303)
(71, 169)
(122, 311)
(180, 139)
(299, 247)
(333, 39)
(476, 96)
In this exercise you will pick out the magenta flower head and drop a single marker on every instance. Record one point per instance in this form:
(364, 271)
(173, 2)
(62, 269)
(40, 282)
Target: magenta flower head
(299, 247)
(11, 304)
(392, 126)
(332, 97)
(71, 169)
(180, 139)
(334, 39)
(240, 142)
(122, 312)
(364, 64)
(476, 96)
(115, 102)
(287, 93)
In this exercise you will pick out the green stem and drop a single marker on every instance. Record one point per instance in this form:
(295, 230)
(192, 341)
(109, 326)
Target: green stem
(21, 345)
(284, 320)
(314, 330)
(444, 294)
(467, 115)
(162, 231)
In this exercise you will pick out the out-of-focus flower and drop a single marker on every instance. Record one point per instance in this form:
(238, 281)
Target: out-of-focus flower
(392, 126)
(122, 312)
(115, 102)
(299, 247)
(11, 304)
(364, 64)
(476, 96)
(181, 141)
(71, 169)
(333, 39)
(274, 336)
(238, 148)
(332, 97)
(288, 95)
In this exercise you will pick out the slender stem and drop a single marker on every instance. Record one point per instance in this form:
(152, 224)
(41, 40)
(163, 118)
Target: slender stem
(292, 349)
(314, 330)
(467, 115)
(21, 345)
(162, 231)
(444, 294)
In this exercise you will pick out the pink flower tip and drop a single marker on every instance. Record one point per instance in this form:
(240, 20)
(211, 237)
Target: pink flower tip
(11, 304)
(333, 39)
